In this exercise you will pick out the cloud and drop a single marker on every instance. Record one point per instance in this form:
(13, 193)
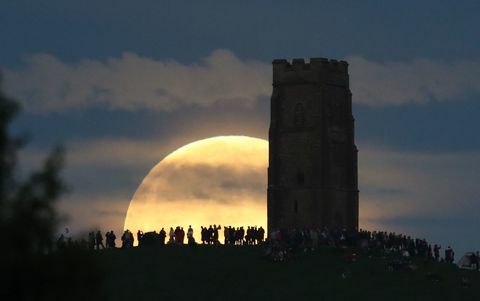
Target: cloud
(399, 184)
(131, 82)
(417, 81)
(393, 183)
(205, 183)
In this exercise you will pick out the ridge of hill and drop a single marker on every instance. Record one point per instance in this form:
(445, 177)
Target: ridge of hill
(242, 273)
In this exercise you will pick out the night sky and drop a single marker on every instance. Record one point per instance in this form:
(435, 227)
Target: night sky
(121, 84)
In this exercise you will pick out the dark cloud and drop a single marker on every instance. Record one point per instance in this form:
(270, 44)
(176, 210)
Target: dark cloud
(113, 213)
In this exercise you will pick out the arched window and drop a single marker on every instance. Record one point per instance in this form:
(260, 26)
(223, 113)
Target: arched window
(299, 117)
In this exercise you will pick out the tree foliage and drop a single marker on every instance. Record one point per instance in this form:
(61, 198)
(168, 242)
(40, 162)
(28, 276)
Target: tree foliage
(28, 223)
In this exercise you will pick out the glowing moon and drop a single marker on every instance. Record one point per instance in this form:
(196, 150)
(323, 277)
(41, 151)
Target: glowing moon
(220, 180)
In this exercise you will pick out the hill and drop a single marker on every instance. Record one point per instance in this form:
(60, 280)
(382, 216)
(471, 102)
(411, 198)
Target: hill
(241, 273)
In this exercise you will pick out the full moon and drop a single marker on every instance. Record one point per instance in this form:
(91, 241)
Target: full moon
(220, 180)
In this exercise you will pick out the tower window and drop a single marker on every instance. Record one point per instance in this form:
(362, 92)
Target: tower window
(295, 206)
(299, 117)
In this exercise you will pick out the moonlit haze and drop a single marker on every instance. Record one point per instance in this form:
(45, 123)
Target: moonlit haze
(220, 180)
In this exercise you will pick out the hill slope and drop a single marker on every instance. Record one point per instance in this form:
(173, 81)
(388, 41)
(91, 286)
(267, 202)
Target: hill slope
(240, 273)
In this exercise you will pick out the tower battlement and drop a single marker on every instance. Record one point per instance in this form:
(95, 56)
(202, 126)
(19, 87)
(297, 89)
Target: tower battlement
(317, 70)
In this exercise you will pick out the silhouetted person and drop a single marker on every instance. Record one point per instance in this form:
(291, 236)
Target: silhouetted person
(127, 239)
(261, 234)
(171, 236)
(449, 255)
(204, 233)
(91, 240)
(110, 240)
(107, 240)
(182, 236)
(139, 237)
(436, 252)
(190, 238)
(241, 235)
(99, 240)
(131, 240)
(248, 237)
(226, 235)
(162, 235)
(113, 238)
(209, 234)
(124, 239)
(215, 234)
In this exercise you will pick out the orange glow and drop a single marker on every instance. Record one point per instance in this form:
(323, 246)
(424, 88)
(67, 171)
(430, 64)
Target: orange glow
(220, 180)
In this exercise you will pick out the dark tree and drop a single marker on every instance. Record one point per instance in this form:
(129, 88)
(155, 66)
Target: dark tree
(32, 269)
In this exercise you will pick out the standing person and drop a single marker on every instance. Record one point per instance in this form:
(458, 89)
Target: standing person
(131, 240)
(182, 235)
(209, 234)
(226, 235)
(190, 239)
(124, 239)
(99, 240)
(449, 255)
(241, 235)
(171, 236)
(248, 237)
(436, 252)
(139, 237)
(107, 240)
(91, 240)
(215, 234)
(177, 235)
(162, 234)
(203, 233)
(113, 237)
(261, 234)
(237, 237)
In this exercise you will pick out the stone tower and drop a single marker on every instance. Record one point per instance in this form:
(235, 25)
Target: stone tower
(312, 173)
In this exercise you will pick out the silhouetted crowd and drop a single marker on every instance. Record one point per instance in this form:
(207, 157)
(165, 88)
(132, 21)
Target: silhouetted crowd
(408, 246)
(238, 236)
(278, 246)
(281, 243)
(208, 236)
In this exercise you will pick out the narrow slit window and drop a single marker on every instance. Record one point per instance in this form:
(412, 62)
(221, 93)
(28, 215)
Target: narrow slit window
(299, 118)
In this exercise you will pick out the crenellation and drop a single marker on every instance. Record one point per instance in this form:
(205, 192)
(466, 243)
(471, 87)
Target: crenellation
(299, 64)
(280, 62)
(317, 70)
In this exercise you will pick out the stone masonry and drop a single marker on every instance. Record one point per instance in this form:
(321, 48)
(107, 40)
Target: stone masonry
(312, 174)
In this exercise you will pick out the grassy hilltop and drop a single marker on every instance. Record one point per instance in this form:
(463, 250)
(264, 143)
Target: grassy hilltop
(240, 273)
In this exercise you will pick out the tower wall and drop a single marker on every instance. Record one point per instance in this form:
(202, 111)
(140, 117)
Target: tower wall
(312, 174)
